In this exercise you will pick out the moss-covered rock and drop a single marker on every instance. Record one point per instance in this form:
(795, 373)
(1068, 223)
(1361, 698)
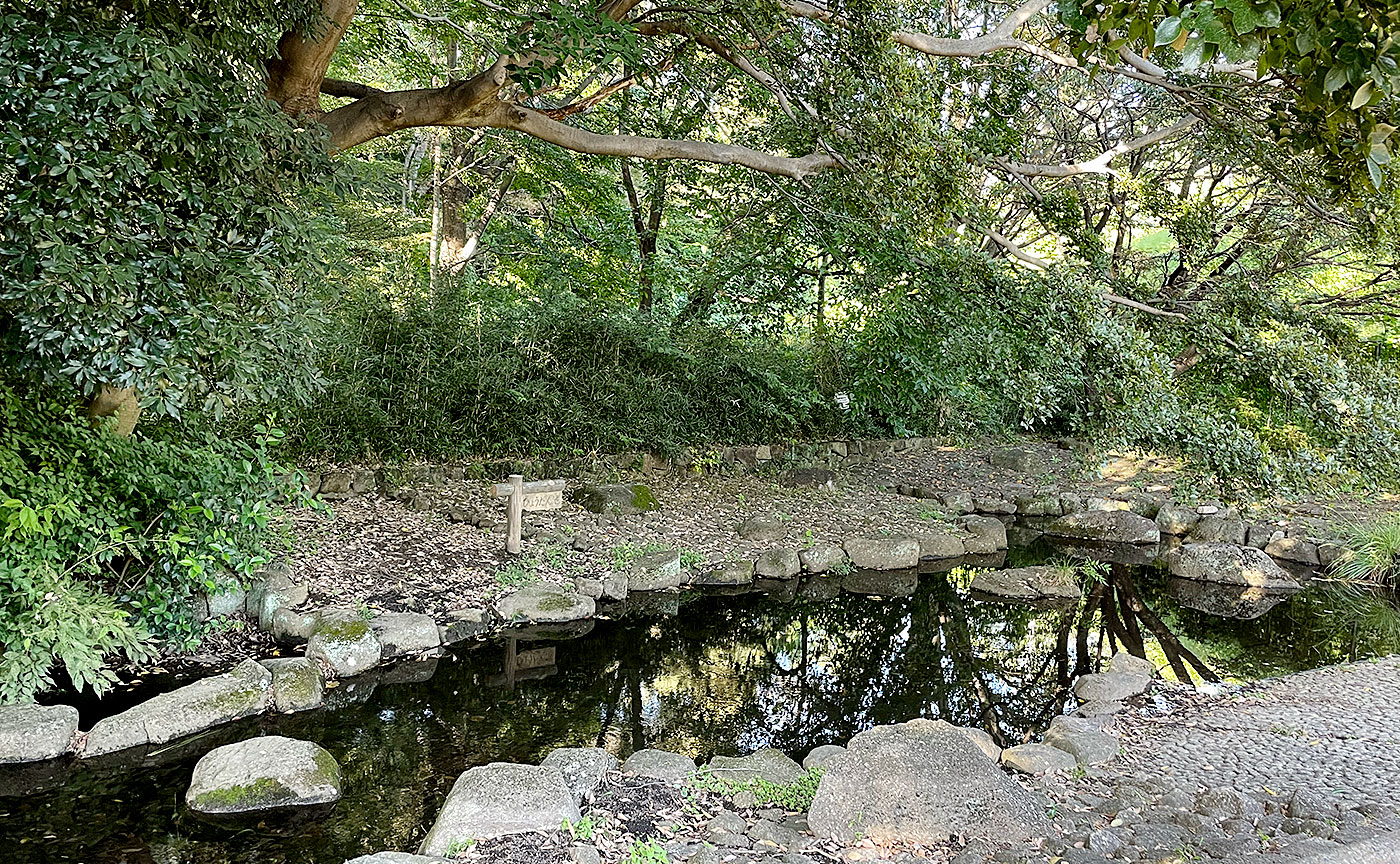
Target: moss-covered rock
(262, 774)
(297, 684)
(623, 499)
(344, 642)
(545, 604)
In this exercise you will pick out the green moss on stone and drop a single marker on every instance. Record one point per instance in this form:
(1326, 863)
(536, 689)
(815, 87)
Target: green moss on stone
(555, 603)
(263, 793)
(343, 630)
(643, 499)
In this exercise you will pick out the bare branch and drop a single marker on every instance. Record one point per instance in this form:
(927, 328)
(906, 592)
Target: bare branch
(1099, 164)
(1141, 307)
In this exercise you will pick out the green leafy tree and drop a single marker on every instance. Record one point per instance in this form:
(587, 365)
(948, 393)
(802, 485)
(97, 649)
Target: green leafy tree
(156, 243)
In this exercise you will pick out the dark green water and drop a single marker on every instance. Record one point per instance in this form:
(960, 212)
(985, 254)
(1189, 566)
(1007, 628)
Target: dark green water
(804, 665)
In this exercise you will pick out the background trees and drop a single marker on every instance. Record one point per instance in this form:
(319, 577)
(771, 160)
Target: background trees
(448, 227)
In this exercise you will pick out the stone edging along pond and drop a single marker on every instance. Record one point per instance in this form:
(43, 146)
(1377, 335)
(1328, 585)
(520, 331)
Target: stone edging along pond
(1206, 543)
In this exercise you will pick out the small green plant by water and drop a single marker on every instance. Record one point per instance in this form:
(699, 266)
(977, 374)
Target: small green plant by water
(791, 796)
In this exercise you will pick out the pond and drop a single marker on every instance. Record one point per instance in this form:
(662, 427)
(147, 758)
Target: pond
(794, 666)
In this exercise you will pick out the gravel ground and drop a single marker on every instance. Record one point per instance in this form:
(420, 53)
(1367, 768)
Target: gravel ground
(438, 547)
(1335, 730)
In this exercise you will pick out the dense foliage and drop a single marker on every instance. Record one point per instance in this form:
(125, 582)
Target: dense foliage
(154, 232)
(107, 541)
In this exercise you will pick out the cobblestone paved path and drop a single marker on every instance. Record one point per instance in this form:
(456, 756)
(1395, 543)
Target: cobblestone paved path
(1335, 731)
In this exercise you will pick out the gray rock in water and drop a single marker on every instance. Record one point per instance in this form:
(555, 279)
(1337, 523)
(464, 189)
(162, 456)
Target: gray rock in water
(729, 573)
(1037, 759)
(778, 564)
(499, 799)
(403, 633)
(621, 499)
(821, 557)
(656, 571)
(545, 604)
(1219, 529)
(919, 783)
(1108, 687)
(764, 529)
(344, 642)
(464, 624)
(1229, 564)
(659, 764)
(988, 534)
(263, 774)
(589, 587)
(1106, 526)
(1083, 739)
(1176, 520)
(994, 504)
(33, 733)
(1045, 582)
(939, 543)
(821, 755)
(1124, 663)
(1126, 676)
(277, 591)
(193, 708)
(583, 768)
(768, 764)
(883, 553)
(615, 586)
(297, 684)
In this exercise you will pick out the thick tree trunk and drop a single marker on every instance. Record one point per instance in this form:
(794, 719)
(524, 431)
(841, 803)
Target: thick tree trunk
(116, 402)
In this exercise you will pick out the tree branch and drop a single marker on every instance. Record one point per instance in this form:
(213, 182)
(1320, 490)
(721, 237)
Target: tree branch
(1099, 164)
(347, 89)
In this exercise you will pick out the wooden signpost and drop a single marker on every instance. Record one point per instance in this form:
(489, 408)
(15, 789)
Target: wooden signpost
(521, 496)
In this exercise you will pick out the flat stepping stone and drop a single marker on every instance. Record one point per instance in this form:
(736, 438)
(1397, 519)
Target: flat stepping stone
(884, 553)
(263, 774)
(1106, 526)
(213, 701)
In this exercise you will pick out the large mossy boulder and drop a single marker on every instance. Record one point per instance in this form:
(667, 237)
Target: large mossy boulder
(344, 642)
(243, 692)
(920, 782)
(1106, 526)
(499, 799)
(584, 768)
(619, 499)
(265, 774)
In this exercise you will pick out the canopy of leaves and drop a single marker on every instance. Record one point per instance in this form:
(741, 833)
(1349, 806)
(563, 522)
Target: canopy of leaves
(153, 231)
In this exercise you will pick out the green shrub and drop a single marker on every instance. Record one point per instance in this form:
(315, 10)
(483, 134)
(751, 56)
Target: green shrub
(1372, 552)
(108, 541)
(469, 371)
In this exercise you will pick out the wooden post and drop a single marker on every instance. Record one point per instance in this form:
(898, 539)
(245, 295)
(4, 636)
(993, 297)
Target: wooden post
(513, 510)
